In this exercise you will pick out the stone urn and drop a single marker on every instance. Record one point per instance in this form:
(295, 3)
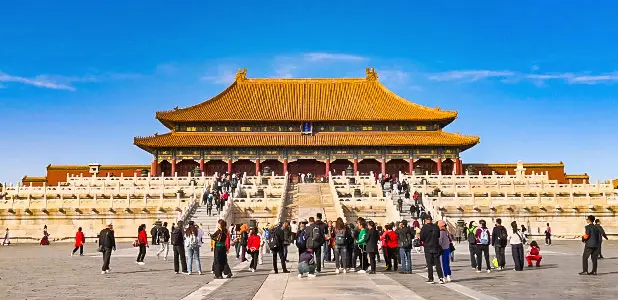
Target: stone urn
(197, 172)
(145, 172)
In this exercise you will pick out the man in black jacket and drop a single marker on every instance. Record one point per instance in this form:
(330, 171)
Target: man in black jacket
(178, 241)
(592, 240)
(499, 242)
(317, 253)
(372, 245)
(277, 248)
(405, 237)
(430, 236)
(107, 243)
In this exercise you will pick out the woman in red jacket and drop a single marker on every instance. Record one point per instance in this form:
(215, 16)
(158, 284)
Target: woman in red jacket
(79, 242)
(390, 241)
(253, 248)
(142, 241)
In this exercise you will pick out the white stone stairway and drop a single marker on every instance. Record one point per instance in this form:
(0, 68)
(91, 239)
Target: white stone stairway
(206, 222)
(310, 199)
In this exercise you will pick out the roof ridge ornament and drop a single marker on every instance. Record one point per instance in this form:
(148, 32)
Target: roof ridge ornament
(372, 75)
(241, 75)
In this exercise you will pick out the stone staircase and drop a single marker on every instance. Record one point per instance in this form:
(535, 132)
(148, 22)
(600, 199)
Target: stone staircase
(308, 199)
(206, 222)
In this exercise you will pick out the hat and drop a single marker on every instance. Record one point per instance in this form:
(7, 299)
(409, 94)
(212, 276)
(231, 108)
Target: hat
(428, 217)
(109, 223)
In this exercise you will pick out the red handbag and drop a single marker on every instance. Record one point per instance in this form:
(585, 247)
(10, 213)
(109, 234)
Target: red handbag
(136, 243)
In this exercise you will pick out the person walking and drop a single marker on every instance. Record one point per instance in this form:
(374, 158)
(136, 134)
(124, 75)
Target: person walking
(592, 246)
(547, 235)
(222, 246)
(483, 240)
(79, 242)
(320, 251)
(517, 242)
(445, 242)
(499, 241)
(430, 236)
(288, 238)
(107, 244)
(253, 248)
(471, 237)
(405, 237)
(275, 243)
(192, 244)
(154, 232)
(342, 238)
(372, 245)
(142, 242)
(164, 241)
(7, 239)
(178, 247)
(243, 238)
(597, 222)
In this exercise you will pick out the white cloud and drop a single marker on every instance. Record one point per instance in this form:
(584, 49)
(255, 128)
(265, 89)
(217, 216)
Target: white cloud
(470, 75)
(223, 74)
(61, 82)
(39, 81)
(325, 56)
(397, 79)
(285, 70)
(594, 79)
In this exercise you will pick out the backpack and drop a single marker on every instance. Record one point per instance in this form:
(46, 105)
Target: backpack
(273, 240)
(472, 236)
(266, 234)
(300, 240)
(417, 243)
(484, 239)
(405, 239)
(340, 238)
(193, 241)
(315, 238)
(502, 237)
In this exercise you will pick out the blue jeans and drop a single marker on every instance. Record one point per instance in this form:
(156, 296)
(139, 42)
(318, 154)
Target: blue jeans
(304, 268)
(285, 252)
(406, 260)
(193, 252)
(326, 251)
(446, 262)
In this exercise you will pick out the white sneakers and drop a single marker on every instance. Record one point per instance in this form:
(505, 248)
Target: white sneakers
(141, 263)
(448, 278)
(102, 272)
(252, 270)
(488, 271)
(345, 270)
(337, 271)
(361, 271)
(311, 275)
(300, 275)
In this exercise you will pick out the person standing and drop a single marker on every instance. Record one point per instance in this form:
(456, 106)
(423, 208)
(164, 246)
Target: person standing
(372, 245)
(222, 246)
(314, 237)
(430, 236)
(517, 242)
(361, 242)
(164, 241)
(598, 224)
(142, 241)
(244, 237)
(192, 243)
(405, 237)
(471, 237)
(288, 238)
(342, 238)
(320, 251)
(499, 241)
(483, 240)
(253, 248)
(79, 242)
(390, 244)
(445, 243)
(592, 246)
(548, 235)
(275, 242)
(107, 244)
(153, 233)
(7, 239)
(178, 246)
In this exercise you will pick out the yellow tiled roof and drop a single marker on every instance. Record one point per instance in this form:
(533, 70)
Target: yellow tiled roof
(325, 99)
(366, 138)
(103, 167)
(576, 176)
(34, 179)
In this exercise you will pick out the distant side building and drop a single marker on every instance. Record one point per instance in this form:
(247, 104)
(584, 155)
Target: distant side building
(59, 173)
(555, 171)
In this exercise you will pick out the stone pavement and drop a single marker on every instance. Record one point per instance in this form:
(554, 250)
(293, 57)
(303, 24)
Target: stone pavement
(35, 272)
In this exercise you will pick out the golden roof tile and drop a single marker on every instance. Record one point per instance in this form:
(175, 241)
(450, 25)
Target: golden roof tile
(295, 139)
(316, 99)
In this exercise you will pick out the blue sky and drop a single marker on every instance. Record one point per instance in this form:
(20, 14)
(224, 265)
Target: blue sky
(537, 81)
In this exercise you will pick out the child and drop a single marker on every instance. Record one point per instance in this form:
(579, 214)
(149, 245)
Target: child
(306, 264)
(417, 244)
(534, 253)
(253, 248)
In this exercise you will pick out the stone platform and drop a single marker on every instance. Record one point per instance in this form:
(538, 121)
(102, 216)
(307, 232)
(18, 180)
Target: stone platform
(36, 272)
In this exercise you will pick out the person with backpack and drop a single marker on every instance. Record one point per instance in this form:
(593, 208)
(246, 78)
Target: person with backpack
(341, 244)
(314, 236)
(517, 242)
(404, 242)
(499, 242)
(323, 251)
(288, 238)
(275, 243)
(483, 240)
(371, 248)
(244, 236)
(471, 237)
(164, 241)
(178, 247)
(209, 204)
(390, 242)
(300, 241)
(192, 243)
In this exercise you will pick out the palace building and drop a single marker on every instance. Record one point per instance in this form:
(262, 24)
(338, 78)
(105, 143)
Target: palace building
(306, 126)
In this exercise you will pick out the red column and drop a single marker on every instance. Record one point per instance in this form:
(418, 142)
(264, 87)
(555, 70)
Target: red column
(411, 166)
(355, 166)
(257, 166)
(153, 168)
(457, 166)
(383, 169)
(229, 166)
(285, 165)
(174, 167)
(439, 165)
(327, 166)
(202, 166)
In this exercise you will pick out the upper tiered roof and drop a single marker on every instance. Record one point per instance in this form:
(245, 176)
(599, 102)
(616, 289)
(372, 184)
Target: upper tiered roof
(324, 99)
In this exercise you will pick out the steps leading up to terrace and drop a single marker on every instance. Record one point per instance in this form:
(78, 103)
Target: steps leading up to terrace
(310, 199)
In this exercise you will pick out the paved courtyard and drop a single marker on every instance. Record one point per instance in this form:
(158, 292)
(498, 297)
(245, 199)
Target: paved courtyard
(35, 272)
